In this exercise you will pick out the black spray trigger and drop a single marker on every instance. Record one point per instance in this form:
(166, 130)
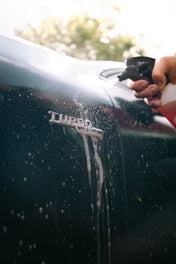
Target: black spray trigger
(138, 68)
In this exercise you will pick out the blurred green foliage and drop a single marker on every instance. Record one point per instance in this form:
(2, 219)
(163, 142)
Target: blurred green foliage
(82, 37)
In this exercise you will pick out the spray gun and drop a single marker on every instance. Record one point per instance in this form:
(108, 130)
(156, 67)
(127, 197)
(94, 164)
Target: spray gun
(138, 68)
(141, 68)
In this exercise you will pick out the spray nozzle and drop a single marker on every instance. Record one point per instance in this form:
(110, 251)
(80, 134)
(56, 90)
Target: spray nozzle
(138, 68)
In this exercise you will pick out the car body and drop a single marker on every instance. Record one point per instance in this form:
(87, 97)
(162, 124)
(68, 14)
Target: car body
(88, 173)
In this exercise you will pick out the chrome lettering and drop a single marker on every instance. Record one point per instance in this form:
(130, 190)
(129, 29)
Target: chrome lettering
(82, 126)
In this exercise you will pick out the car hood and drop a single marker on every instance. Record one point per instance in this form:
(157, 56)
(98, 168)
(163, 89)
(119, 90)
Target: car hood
(31, 65)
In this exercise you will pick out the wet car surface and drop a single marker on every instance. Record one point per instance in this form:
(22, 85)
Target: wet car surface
(88, 173)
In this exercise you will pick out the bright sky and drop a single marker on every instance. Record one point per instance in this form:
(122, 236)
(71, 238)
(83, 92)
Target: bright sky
(155, 19)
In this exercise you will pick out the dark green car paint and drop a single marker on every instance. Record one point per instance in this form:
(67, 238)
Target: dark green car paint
(69, 198)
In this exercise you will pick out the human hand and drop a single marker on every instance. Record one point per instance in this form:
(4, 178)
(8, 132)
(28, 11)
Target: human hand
(152, 92)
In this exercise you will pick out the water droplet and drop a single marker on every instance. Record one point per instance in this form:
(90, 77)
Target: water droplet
(4, 229)
(20, 243)
(34, 245)
(30, 247)
(12, 212)
(40, 210)
(98, 204)
(25, 179)
(46, 216)
(92, 206)
(22, 217)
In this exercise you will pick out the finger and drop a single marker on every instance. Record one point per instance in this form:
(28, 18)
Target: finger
(159, 73)
(154, 103)
(159, 80)
(137, 85)
(155, 110)
(150, 91)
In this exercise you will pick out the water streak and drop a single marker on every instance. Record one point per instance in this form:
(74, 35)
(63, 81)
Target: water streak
(99, 186)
